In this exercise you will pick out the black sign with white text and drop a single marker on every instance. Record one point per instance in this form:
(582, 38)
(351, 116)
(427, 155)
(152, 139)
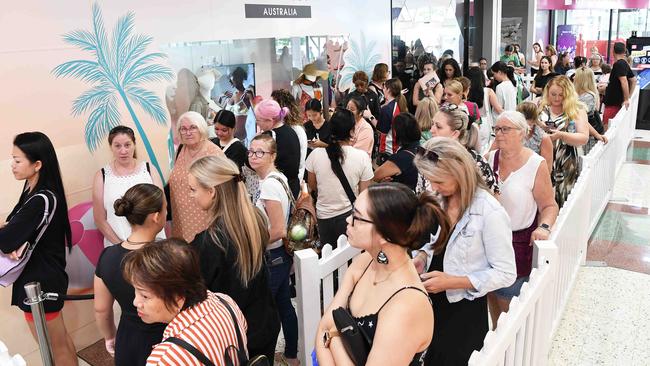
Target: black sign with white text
(277, 11)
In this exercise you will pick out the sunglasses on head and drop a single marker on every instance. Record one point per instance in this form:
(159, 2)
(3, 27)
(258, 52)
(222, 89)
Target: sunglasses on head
(428, 154)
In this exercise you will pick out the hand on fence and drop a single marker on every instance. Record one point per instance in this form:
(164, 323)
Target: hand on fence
(626, 104)
(434, 281)
(539, 234)
(602, 138)
(110, 346)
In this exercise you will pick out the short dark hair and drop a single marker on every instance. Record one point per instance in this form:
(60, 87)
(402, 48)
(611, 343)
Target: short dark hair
(170, 269)
(314, 105)
(509, 48)
(406, 128)
(482, 59)
(579, 61)
(619, 48)
(226, 118)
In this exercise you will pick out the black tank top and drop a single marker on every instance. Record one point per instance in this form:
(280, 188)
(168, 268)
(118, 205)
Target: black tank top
(368, 323)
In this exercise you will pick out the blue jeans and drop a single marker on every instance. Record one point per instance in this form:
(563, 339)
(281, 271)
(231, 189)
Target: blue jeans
(279, 264)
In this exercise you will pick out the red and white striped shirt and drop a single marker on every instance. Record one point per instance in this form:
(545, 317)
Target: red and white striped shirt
(207, 326)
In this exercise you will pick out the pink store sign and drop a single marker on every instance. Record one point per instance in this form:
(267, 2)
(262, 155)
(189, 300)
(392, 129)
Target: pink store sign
(591, 4)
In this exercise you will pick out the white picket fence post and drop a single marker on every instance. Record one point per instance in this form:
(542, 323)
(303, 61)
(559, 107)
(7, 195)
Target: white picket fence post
(7, 360)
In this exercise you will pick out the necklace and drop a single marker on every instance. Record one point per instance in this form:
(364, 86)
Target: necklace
(375, 282)
(137, 242)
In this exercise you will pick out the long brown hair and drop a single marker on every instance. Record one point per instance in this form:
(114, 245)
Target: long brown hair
(233, 213)
(286, 99)
(394, 86)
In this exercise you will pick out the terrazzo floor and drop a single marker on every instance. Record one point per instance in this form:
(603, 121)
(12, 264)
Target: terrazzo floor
(607, 321)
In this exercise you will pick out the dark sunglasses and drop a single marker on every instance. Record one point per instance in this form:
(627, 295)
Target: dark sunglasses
(431, 155)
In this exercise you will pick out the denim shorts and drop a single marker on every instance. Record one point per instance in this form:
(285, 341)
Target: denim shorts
(512, 290)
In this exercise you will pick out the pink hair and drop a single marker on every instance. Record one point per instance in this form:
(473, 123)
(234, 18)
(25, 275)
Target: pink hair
(270, 109)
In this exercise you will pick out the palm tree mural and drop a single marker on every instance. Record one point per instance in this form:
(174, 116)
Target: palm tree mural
(116, 74)
(361, 56)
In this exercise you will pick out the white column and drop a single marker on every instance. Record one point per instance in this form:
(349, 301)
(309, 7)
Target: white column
(492, 30)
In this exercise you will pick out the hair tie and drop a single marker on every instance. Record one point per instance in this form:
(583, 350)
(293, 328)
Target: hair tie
(283, 113)
(238, 177)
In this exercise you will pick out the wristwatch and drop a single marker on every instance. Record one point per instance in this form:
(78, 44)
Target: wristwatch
(545, 227)
(328, 335)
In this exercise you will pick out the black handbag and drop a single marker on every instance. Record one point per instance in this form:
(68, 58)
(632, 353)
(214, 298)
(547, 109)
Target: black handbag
(356, 342)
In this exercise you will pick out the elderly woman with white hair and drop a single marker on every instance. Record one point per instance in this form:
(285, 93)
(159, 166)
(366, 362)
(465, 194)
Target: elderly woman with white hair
(188, 218)
(527, 196)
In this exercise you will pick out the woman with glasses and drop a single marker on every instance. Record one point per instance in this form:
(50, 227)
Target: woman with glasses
(328, 169)
(452, 121)
(114, 179)
(478, 257)
(274, 201)
(231, 250)
(189, 219)
(566, 123)
(526, 195)
(381, 288)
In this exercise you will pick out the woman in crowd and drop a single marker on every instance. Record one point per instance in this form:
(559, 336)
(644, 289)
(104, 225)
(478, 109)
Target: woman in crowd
(388, 220)
(188, 219)
(363, 136)
(463, 85)
(488, 104)
(399, 166)
(169, 289)
(588, 94)
(449, 69)
(361, 90)
(506, 91)
(379, 76)
(431, 88)
(294, 120)
(536, 139)
(114, 179)
(329, 169)
(526, 195)
(551, 52)
(318, 130)
(395, 104)
(451, 121)
(568, 128)
(478, 257)
(274, 201)
(427, 108)
(563, 63)
(224, 126)
(231, 250)
(34, 161)
(535, 64)
(542, 77)
(145, 209)
(270, 119)
(595, 64)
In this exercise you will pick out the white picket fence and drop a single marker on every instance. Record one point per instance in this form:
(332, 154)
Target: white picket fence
(524, 334)
(7, 360)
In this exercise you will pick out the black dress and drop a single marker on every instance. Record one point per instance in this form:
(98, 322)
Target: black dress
(403, 159)
(47, 263)
(218, 267)
(135, 338)
(235, 151)
(459, 328)
(323, 133)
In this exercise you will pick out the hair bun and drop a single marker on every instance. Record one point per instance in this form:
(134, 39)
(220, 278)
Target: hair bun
(123, 207)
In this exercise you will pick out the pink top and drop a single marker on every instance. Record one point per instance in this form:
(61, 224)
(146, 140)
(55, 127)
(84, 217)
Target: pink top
(188, 218)
(363, 137)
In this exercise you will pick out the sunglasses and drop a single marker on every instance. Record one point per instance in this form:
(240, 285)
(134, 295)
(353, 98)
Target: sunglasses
(428, 154)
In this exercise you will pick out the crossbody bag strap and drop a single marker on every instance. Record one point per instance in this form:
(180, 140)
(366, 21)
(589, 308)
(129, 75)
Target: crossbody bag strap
(338, 171)
(240, 342)
(495, 166)
(191, 349)
(48, 215)
(292, 201)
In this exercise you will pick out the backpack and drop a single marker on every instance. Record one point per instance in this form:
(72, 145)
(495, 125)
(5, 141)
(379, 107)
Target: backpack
(302, 215)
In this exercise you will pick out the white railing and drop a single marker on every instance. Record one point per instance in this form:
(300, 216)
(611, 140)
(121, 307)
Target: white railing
(524, 334)
(521, 338)
(7, 360)
(315, 289)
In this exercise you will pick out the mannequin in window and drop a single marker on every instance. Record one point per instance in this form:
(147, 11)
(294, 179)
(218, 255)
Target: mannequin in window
(241, 101)
(202, 103)
(307, 86)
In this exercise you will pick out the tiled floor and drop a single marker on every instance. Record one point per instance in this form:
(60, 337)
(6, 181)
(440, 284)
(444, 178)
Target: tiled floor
(607, 321)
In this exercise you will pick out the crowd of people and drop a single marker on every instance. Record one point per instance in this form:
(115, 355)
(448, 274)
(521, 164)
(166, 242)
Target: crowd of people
(444, 188)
